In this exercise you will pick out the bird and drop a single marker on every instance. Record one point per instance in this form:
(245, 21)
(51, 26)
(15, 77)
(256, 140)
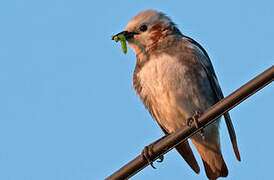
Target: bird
(175, 80)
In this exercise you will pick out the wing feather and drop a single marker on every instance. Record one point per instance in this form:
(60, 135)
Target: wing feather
(208, 67)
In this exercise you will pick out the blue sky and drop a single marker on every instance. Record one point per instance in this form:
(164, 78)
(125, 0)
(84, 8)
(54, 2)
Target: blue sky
(67, 106)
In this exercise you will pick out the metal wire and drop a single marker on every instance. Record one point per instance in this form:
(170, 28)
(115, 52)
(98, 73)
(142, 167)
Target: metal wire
(165, 144)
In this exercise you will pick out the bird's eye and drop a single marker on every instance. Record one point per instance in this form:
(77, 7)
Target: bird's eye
(143, 28)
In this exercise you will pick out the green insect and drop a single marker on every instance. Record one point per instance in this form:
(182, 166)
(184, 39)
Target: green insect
(122, 38)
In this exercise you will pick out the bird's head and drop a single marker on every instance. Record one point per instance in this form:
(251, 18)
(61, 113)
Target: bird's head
(147, 29)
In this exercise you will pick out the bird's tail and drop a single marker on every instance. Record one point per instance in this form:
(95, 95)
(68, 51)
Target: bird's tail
(184, 149)
(211, 155)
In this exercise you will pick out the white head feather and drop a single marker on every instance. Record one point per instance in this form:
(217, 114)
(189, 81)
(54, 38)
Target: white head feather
(157, 24)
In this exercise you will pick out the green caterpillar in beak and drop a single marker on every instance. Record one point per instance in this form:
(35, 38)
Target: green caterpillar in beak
(122, 39)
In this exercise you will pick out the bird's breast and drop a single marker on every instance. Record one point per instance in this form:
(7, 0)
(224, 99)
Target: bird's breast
(171, 90)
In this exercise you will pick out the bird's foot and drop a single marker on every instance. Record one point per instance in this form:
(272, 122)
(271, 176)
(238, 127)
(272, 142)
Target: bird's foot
(149, 155)
(194, 119)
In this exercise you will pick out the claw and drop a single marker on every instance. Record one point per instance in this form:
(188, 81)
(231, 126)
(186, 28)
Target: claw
(189, 121)
(202, 134)
(161, 159)
(148, 155)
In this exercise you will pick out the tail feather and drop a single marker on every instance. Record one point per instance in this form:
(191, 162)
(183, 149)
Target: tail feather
(211, 155)
(232, 135)
(185, 151)
(212, 175)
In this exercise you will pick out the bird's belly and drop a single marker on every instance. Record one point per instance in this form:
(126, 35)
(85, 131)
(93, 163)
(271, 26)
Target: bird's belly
(171, 92)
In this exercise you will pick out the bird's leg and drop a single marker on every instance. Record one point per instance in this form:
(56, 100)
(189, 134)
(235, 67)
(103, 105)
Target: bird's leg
(148, 154)
(194, 119)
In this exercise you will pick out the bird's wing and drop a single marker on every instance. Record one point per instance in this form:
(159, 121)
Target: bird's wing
(207, 65)
(185, 151)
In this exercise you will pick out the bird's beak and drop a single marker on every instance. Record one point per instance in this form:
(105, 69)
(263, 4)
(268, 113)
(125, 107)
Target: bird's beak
(128, 35)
